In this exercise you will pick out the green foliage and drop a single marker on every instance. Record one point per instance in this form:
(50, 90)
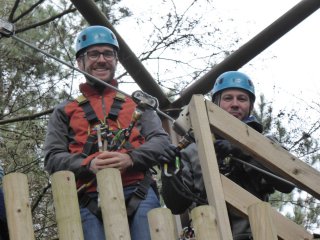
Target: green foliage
(32, 83)
(302, 141)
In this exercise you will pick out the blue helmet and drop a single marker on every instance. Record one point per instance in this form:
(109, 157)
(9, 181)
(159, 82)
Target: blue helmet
(233, 79)
(95, 35)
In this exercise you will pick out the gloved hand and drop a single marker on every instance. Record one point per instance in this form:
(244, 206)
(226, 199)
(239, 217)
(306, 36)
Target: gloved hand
(169, 157)
(169, 154)
(224, 148)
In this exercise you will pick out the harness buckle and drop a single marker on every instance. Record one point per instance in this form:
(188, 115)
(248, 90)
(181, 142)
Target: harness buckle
(141, 191)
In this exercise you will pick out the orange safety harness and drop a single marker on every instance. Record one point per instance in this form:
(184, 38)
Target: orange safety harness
(113, 140)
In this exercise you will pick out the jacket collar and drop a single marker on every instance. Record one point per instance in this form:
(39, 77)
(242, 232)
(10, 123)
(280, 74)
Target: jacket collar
(89, 90)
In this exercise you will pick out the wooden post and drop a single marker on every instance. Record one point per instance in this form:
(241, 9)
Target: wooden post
(261, 221)
(161, 224)
(114, 214)
(205, 223)
(18, 209)
(66, 205)
(209, 164)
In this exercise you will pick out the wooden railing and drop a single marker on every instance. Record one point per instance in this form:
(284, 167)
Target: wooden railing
(209, 222)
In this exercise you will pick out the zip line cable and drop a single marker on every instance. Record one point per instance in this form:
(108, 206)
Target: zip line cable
(263, 171)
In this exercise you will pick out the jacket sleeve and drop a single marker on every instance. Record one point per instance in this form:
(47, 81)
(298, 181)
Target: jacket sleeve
(156, 139)
(56, 147)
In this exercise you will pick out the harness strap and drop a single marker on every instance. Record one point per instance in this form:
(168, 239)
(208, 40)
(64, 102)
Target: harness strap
(90, 145)
(87, 108)
(85, 201)
(139, 194)
(84, 103)
(91, 116)
(118, 100)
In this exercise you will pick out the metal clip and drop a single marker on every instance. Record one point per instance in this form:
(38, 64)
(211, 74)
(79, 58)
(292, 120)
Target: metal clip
(144, 100)
(6, 28)
(176, 165)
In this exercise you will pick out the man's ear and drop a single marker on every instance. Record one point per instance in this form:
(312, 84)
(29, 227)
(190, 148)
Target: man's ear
(80, 63)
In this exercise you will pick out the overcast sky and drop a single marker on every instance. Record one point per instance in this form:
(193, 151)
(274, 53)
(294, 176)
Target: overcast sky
(286, 72)
(289, 72)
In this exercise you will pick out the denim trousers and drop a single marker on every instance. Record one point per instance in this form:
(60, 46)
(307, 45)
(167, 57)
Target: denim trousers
(139, 227)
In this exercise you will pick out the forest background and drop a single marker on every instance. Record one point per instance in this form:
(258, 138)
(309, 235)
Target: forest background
(205, 31)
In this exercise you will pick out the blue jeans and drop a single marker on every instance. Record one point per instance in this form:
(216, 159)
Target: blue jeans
(139, 226)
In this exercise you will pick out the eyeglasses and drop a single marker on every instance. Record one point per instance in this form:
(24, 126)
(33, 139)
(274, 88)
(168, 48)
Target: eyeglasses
(95, 55)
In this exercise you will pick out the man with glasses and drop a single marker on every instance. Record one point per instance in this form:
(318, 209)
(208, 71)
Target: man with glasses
(95, 131)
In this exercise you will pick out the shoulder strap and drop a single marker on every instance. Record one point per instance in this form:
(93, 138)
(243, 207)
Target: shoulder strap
(87, 108)
(91, 116)
(118, 100)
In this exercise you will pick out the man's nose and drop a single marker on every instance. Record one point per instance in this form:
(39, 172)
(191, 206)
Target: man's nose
(234, 102)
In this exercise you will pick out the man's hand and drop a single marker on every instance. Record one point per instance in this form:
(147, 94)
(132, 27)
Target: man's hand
(108, 159)
(224, 148)
(169, 154)
(170, 160)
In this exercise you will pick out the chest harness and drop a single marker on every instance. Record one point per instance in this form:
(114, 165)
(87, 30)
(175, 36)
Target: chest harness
(104, 138)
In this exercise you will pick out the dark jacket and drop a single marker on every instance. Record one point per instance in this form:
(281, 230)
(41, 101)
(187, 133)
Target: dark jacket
(260, 185)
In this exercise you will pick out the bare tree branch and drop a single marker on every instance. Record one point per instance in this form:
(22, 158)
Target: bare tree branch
(47, 20)
(26, 12)
(24, 118)
(14, 8)
(38, 200)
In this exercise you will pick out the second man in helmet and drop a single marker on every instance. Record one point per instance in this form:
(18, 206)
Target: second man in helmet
(234, 92)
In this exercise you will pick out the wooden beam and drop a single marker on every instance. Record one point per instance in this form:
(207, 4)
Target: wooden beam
(240, 199)
(272, 155)
(209, 164)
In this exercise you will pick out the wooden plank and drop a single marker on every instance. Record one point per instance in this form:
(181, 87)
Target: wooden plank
(209, 165)
(18, 207)
(241, 200)
(205, 223)
(264, 150)
(112, 202)
(66, 205)
(161, 224)
(261, 221)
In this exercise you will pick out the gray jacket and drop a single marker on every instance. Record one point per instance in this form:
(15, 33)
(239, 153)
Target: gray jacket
(62, 136)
